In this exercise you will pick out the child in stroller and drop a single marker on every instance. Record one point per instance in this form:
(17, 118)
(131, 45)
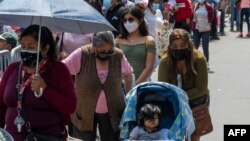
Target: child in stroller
(176, 115)
(149, 119)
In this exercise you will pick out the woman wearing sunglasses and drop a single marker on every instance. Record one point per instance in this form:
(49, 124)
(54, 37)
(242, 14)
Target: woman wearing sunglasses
(99, 70)
(137, 46)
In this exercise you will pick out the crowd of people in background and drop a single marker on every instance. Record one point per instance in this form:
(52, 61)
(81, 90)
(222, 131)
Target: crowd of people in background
(104, 64)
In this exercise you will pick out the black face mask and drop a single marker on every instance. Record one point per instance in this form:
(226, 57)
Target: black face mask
(104, 56)
(29, 58)
(181, 54)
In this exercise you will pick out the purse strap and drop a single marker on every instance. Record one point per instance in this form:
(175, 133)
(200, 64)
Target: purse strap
(61, 43)
(20, 96)
(19, 73)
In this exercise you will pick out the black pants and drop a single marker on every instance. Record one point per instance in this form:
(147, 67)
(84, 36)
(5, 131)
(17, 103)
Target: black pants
(182, 25)
(204, 36)
(105, 130)
(214, 31)
(244, 12)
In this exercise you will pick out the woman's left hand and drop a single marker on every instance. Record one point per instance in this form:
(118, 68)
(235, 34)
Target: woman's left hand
(37, 83)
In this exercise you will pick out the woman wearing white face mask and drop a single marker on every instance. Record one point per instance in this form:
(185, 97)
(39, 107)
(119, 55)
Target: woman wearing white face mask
(153, 17)
(138, 47)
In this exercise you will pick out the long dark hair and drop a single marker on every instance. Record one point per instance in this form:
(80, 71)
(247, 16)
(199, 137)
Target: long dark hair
(137, 13)
(183, 35)
(46, 39)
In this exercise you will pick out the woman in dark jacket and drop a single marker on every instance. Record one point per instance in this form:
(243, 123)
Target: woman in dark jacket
(43, 102)
(113, 14)
(186, 67)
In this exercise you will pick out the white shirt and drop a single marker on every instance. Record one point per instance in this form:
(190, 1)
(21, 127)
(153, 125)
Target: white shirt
(155, 23)
(201, 17)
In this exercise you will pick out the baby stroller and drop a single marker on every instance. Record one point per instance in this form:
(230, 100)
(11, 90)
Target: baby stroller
(173, 102)
(5, 136)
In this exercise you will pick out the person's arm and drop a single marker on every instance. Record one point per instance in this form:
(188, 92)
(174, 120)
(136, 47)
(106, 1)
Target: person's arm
(163, 73)
(3, 84)
(73, 61)
(127, 72)
(134, 134)
(160, 19)
(189, 11)
(3, 107)
(149, 63)
(210, 13)
(201, 79)
(163, 133)
(63, 97)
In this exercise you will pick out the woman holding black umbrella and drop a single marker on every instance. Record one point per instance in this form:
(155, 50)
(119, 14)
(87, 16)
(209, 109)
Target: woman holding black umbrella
(37, 105)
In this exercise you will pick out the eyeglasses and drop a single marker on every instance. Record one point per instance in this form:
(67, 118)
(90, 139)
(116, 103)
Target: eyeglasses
(130, 20)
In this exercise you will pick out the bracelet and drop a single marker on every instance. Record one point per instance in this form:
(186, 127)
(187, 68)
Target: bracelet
(38, 95)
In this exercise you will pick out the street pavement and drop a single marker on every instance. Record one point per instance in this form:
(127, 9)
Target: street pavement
(229, 82)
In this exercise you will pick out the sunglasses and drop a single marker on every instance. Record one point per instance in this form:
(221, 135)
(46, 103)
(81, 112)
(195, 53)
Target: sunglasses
(104, 54)
(130, 20)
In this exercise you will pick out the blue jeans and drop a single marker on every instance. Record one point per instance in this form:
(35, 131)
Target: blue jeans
(222, 21)
(204, 36)
(235, 16)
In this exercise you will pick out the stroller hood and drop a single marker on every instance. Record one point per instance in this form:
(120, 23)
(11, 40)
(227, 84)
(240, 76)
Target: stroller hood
(5, 136)
(183, 124)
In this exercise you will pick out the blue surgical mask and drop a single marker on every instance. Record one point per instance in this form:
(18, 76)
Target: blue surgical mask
(156, 6)
(201, 1)
(137, 1)
(107, 4)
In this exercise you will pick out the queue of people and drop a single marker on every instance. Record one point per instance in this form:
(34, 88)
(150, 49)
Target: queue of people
(103, 64)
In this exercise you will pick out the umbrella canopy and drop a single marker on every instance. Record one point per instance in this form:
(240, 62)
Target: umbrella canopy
(75, 16)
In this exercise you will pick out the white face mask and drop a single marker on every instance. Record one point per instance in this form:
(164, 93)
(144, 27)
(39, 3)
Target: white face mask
(131, 27)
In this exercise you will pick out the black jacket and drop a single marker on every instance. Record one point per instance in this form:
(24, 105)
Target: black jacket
(114, 16)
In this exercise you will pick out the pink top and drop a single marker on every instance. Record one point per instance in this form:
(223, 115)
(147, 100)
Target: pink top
(73, 62)
(245, 4)
(73, 41)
